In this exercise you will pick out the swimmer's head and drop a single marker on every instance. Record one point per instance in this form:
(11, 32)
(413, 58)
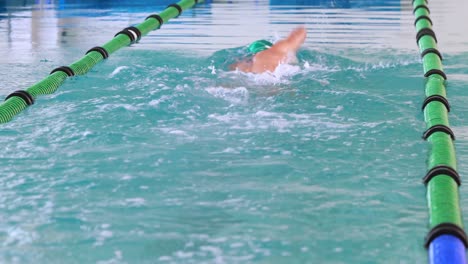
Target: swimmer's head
(259, 45)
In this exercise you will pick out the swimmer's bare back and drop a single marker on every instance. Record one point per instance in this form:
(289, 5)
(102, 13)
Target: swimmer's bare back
(280, 52)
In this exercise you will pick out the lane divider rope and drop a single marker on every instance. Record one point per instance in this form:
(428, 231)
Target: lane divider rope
(21, 99)
(446, 240)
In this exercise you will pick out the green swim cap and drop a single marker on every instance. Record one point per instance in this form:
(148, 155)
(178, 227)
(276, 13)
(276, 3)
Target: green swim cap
(259, 45)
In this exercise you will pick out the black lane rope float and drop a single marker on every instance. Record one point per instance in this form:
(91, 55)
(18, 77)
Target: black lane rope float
(446, 240)
(21, 99)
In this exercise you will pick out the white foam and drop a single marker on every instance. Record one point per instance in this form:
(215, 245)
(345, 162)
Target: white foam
(213, 69)
(117, 70)
(102, 236)
(164, 258)
(316, 67)
(239, 95)
(135, 202)
(215, 251)
(178, 132)
(126, 177)
(227, 118)
(18, 236)
(280, 75)
(156, 102)
(183, 254)
(236, 245)
(265, 114)
(284, 72)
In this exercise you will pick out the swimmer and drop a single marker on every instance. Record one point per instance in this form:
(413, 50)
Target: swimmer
(268, 56)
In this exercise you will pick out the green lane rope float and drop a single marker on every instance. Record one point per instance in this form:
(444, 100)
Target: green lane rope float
(446, 240)
(21, 99)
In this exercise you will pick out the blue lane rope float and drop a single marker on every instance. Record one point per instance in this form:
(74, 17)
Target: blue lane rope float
(20, 100)
(446, 239)
(446, 249)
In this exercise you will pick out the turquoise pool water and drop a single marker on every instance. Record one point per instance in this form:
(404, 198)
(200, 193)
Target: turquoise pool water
(161, 155)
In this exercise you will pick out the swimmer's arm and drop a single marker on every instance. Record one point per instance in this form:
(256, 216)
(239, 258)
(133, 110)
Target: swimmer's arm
(293, 42)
